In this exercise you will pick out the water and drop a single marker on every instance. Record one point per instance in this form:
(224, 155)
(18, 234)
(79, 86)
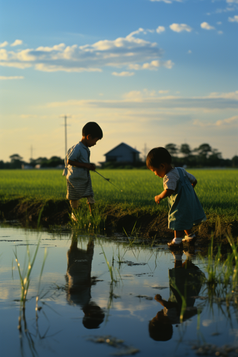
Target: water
(117, 309)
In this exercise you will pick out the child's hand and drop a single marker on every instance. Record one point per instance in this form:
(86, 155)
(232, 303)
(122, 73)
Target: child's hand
(92, 167)
(157, 199)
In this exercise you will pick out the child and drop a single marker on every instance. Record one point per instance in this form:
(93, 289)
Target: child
(78, 178)
(185, 210)
(185, 282)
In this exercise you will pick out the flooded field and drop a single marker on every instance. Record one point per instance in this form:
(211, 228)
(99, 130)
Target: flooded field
(94, 296)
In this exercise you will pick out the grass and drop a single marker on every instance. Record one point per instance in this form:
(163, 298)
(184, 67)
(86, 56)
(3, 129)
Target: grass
(87, 222)
(222, 270)
(216, 189)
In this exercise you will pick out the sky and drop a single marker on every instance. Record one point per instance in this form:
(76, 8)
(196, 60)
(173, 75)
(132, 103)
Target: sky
(149, 72)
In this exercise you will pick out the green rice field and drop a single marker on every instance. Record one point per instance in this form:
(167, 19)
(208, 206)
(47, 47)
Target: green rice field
(216, 189)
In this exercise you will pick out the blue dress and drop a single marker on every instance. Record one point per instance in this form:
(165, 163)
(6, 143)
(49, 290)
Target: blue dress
(185, 209)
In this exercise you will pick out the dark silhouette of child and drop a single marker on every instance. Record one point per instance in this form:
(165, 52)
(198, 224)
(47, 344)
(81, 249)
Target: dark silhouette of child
(185, 281)
(78, 276)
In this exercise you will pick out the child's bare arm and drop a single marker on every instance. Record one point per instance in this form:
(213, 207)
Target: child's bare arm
(162, 195)
(82, 164)
(167, 304)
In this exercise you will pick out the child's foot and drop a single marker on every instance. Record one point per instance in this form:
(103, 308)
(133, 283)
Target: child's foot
(177, 255)
(190, 252)
(73, 217)
(189, 239)
(175, 243)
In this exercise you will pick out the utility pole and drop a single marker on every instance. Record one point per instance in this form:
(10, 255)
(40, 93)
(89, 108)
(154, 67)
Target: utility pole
(31, 152)
(65, 131)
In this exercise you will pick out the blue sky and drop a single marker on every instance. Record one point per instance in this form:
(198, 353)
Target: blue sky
(149, 72)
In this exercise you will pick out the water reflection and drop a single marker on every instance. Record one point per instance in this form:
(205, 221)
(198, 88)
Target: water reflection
(79, 282)
(185, 282)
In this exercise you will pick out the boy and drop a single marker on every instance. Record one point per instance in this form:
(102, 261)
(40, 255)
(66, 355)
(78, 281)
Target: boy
(78, 165)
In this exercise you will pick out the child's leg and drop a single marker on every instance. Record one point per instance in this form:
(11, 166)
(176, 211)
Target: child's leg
(178, 234)
(74, 205)
(188, 232)
(91, 203)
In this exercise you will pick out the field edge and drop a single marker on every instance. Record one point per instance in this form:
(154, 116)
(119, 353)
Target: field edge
(147, 224)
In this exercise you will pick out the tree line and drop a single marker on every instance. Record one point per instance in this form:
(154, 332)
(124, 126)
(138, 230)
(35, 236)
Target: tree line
(202, 156)
(17, 162)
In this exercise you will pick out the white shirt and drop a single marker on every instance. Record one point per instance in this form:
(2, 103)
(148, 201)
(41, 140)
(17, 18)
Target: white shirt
(171, 178)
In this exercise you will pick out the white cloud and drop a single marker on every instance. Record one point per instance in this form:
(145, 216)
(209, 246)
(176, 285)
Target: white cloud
(16, 43)
(153, 100)
(227, 121)
(123, 74)
(232, 1)
(153, 65)
(233, 19)
(5, 78)
(4, 44)
(220, 32)
(180, 27)
(206, 26)
(232, 121)
(140, 30)
(189, 51)
(160, 29)
(163, 91)
(128, 52)
(230, 95)
(227, 9)
(3, 55)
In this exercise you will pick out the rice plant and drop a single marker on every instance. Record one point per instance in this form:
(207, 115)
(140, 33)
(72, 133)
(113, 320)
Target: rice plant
(86, 221)
(25, 273)
(222, 273)
(111, 268)
(25, 278)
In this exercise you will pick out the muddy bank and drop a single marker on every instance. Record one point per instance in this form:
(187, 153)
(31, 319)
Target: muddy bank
(114, 219)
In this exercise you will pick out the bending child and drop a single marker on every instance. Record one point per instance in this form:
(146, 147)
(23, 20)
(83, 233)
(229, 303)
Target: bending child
(185, 209)
(78, 166)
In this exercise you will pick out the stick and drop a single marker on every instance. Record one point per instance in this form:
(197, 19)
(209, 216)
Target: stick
(108, 180)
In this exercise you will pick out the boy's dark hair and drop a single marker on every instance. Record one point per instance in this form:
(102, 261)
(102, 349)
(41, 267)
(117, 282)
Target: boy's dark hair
(93, 129)
(158, 156)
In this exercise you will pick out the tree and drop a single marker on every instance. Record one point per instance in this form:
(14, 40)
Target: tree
(185, 149)
(15, 157)
(215, 158)
(172, 149)
(234, 161)
(16, 161)
(203, 150)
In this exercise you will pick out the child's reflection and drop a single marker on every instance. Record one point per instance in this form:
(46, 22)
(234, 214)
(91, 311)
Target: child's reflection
(185, 281)
(79, 265)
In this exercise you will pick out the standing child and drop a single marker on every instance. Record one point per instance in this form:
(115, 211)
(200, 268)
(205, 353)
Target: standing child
(185, 210)
(78, 165)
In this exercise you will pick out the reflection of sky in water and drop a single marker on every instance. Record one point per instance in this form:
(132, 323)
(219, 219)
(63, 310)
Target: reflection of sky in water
(128, 305)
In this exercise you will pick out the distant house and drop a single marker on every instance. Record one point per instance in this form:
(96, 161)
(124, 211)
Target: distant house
(27, 167)
(123, 153)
